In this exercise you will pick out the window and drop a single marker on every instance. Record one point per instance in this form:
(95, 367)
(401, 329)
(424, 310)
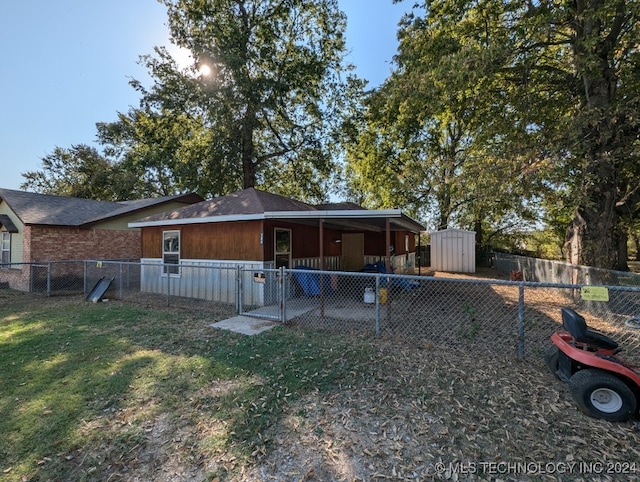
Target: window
(5, 249)
(283, 248)
(171, 252)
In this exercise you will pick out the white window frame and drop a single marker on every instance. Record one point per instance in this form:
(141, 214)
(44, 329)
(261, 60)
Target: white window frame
(5, 247)
(171, 252)
(277, 254)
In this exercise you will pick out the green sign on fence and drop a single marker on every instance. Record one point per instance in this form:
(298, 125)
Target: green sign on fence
(594, 293)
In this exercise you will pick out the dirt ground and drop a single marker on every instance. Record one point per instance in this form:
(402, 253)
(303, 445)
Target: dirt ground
(443, 415)
(423, 413)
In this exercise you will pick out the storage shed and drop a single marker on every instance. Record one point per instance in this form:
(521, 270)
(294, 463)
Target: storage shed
(453, 250)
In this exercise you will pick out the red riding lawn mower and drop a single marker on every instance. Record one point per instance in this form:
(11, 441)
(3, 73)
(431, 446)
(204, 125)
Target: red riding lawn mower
(603, 385)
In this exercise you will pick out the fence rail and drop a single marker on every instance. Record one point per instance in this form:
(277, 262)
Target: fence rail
(490, 315)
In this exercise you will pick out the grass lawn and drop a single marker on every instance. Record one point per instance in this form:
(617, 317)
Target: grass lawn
(85, 386)
(117, 392)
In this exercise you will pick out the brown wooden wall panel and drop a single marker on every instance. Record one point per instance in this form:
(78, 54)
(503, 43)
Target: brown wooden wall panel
(305, 240)
(234, 241)
(240, 240)
(375, 243)
(152, 242)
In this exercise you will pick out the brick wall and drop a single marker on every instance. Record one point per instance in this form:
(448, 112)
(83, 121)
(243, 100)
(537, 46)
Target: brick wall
(48, 243)
(18, 279)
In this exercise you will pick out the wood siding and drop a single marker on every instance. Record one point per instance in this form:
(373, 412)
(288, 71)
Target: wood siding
(238, 240)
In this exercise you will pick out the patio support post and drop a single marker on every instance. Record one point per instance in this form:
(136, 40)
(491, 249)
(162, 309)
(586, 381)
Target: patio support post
(321, 254)
(377, 305)
(388, 267)
(321, 244)
(419, 255)
(521, 321)
(388, 243)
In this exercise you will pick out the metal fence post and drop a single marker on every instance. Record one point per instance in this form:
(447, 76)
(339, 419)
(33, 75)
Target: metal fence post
(282, 296)
(521, 321)
(238, 290)
(120, 281)
(84, 276)
(48, 279)
(168, 286)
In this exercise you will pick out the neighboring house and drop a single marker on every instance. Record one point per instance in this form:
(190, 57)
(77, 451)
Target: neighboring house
(37, 228)
(257, 230)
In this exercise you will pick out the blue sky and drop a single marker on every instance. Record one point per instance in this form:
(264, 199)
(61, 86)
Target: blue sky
(67, 63)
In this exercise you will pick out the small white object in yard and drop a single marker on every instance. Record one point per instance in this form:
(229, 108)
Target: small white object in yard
(369, 296)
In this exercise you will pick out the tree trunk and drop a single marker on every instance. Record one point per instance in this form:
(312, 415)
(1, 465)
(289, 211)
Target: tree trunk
(247, 148)
(596, 223)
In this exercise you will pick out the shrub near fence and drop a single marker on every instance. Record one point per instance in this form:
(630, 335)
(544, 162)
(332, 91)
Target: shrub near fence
(514, 318)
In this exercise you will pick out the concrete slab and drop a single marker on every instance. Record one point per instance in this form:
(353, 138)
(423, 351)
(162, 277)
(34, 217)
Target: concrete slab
(245, 325)
(248, 325)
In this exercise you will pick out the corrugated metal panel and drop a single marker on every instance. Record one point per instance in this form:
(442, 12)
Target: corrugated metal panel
(209, 280)
(453, 250)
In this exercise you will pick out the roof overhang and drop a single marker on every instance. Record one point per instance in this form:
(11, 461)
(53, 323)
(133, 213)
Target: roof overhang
(354, 219)
(5, 221)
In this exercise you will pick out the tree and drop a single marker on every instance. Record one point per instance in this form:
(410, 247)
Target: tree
(80, 171)
(548, 91)
(425, 141)
(265, 114)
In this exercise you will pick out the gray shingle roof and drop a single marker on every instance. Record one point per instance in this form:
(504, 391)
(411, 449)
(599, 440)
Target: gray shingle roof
(248, 201)
(46, 209)
(254, 204)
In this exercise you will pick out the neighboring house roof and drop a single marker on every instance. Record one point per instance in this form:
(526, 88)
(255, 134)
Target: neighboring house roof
(253, 204)
(5, 221)
(46, 209)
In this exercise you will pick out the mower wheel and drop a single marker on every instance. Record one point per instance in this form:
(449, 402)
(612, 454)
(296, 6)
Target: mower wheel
(551, 359)
(602, 395)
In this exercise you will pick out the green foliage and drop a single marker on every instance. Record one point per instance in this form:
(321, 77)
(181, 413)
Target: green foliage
(427, 137)
(496, 110)
(265, 114)
(81, 171)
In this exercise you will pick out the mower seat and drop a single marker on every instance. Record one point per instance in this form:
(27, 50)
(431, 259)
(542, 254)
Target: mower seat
(577, 327)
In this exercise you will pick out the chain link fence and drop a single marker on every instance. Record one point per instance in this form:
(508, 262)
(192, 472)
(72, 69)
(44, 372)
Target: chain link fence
(44, 278)
(498, 316)
(553, 271)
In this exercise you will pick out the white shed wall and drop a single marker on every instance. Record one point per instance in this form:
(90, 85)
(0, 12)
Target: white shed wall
(453, 250)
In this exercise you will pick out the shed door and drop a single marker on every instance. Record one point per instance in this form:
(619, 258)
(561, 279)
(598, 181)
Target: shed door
(455, 254)
(352, 251)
